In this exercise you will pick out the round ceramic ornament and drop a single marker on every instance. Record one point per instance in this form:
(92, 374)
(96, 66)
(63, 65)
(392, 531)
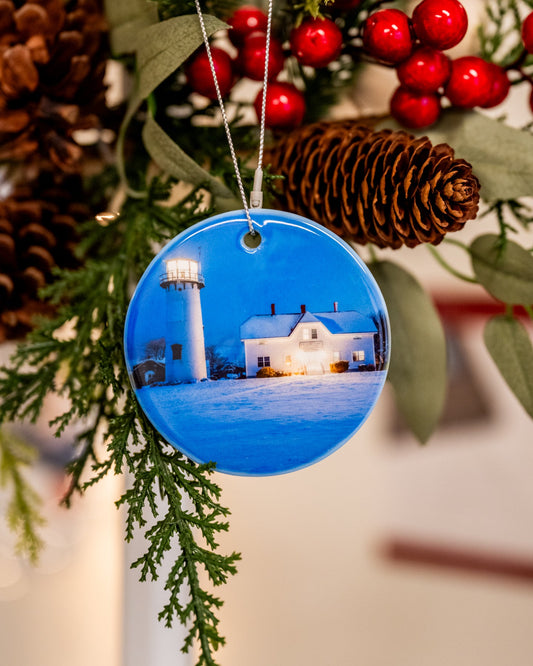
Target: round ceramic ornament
(262, 353)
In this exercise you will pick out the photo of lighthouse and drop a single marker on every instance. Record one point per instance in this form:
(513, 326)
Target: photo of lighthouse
(262, 360)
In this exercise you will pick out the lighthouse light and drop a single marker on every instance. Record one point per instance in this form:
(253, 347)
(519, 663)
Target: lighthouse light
(182, 269)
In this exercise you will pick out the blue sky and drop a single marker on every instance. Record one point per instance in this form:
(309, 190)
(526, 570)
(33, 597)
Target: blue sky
(294, 265)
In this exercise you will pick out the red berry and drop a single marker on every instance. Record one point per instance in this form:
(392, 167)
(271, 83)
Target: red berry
(285, 106)
(527, 33)
(387, 35)
(251, 59)
(425, 70)
(316, 42)
(413, 109)
(200, 77)
(243, 22)
(500, 86)
(470, 83)
(440, 23)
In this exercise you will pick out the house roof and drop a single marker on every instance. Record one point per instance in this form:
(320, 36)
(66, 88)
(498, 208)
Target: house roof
(282, 325)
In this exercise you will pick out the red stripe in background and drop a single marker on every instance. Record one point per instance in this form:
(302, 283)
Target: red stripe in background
(459, 559)
(459, 309)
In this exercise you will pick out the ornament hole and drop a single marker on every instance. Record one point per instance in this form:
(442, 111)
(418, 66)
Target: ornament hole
(252, 240)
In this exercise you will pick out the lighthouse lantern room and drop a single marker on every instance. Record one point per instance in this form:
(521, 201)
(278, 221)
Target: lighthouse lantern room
(184, 339)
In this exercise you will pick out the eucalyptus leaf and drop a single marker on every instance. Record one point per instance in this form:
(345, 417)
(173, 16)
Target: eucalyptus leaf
(510, 347)
(501, 156)
(167, 45)
(418, 360)
(172, 159)
(505, 271)
(162, 48)
(127, 18)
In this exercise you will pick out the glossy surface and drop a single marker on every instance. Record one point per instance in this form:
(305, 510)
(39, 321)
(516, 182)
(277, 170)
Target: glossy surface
(413, 109)
(470, 82)
(251, 59)
(316, 42)
(243, 22)
(440, 23)
(500, 86)
(262, 360)
(527, 33)
(285, 106)
(387, 35)
(425, 71)
(200, 77)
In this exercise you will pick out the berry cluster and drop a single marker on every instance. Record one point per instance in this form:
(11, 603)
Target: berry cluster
(414, 45)
(427, 75)
(316, 42)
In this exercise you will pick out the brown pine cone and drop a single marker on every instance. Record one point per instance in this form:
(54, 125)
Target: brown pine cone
(384, 187)
(52, 61)
(38, 224)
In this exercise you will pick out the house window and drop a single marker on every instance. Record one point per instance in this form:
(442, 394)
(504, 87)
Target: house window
(176, 352)
(306, 334)
(288, 360)
(314, 333)
(263, 361)
(336, 356)
(358, 356)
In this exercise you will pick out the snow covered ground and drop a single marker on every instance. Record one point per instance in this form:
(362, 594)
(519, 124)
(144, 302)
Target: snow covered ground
(262, 426)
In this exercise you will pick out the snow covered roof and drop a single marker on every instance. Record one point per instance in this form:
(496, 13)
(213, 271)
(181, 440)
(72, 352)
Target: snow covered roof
(282, 325)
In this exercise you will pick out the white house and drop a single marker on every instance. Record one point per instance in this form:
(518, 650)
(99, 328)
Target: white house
(307, 342)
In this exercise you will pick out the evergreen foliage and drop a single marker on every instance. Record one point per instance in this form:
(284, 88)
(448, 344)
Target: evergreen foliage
(79, 355)
(174, 502)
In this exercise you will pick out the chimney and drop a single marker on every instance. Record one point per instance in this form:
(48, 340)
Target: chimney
(302, 309)
(335, 306)
(272, 309)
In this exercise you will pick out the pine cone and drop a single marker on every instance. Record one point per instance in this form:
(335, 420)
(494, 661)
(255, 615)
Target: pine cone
(37, 232)
(52, 61)
(384, 187)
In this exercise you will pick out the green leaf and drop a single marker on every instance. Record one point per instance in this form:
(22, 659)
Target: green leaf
(167, 45)
(127, 18)
(506, 271)
(162, 48)
(418, 360)
(501, 156)
(510, 347)
(172, 159)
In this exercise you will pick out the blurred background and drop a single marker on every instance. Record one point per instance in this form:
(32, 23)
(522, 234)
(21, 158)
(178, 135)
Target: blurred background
(384, 553)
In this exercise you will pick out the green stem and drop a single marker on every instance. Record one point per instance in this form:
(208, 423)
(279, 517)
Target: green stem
(529, 310)
(373, 254)
(449, 268)
(453, 241)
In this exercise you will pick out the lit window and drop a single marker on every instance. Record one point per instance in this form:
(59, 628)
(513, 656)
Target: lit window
(358, 356)
(306, 334)
(314, 333)
(288, 360)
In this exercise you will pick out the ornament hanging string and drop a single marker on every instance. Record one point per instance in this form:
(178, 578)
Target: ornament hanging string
(256, 196)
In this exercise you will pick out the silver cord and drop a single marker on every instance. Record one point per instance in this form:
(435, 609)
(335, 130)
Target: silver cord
(256, 198)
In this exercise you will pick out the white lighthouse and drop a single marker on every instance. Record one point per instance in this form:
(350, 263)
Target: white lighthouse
(184, 340)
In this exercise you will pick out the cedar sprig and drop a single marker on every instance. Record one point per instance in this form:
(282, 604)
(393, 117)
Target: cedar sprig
(79, 355)
(509, 214)
(499, 33)
(23, 511)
